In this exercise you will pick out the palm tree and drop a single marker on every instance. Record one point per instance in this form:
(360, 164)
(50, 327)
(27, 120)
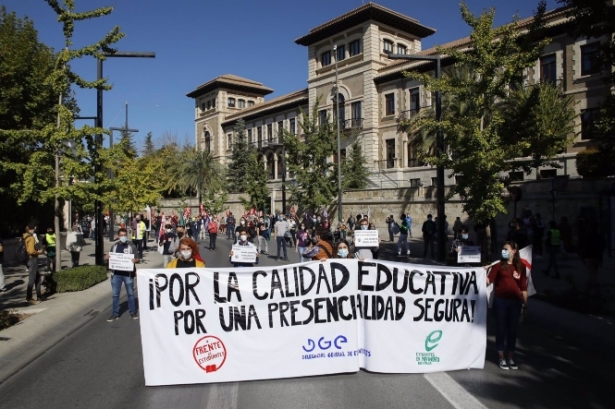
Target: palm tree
(197, 169)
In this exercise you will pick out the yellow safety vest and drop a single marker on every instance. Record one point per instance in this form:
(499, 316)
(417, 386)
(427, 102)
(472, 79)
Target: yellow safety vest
(50, 239)
(555, 237)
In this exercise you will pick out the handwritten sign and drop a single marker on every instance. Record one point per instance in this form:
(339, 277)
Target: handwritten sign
(121, 262)
(366, 238)
(469, 254)
(243, 254)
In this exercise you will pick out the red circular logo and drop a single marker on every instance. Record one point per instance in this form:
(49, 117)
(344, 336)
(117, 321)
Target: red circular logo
(209, 353)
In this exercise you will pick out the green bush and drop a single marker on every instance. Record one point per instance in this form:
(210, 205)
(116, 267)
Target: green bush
(76, 279)
(592, 163)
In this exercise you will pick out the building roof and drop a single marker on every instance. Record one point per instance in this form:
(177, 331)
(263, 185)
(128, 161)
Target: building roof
(553, 18)
(369, 11)
(282, 102)
(230, 81)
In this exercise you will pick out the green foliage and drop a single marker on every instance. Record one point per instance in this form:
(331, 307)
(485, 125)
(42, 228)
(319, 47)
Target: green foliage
(130, 148)
(76, 279)
(355, 172)
(149, 149)
(474, 129)
(592, 163)
(194, 169)
(316, 178)
(256, 182)
(238, 165)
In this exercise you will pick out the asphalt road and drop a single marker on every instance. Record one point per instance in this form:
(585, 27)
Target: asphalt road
(100, 366)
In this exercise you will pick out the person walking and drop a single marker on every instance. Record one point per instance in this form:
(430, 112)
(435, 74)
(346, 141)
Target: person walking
(429, 232)
(119, 277)
(263, 236)
(34, 277)
(509, 279)
(212, 229)
(552, 243)
(138, 235)
(300, 242)
(403, 237)
(280, 228)
(189, 256)
(230, 227)
(165, 241)
(243, 242)
(50, 249)
(93, 228)
(73, 245)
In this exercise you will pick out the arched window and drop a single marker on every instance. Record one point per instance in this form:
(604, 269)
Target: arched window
(207, 142)
(341, 101)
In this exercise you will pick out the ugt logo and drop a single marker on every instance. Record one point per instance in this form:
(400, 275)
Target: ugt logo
(432, 340)
(325, 344)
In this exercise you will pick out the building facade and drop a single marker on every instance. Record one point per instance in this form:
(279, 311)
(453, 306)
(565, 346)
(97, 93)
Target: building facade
(374, 96)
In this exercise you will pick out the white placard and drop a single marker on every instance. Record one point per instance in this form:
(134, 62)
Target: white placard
(366, 238)
(243, 254)
(469, 254)
(121, 262)
(307, 319)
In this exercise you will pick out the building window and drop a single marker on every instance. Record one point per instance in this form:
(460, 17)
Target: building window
(413, 160)
(458, 179)
(231, 102)
(402, 49)
(249, 136)
(354, 47)
(387, 46)
(241, 103)
(270, 166)
(588, 118)
(325, 58)
(207, 142)
(434, 182)
(589, 59)
(292, 126)
(415, 182)
(213, 103)
(250, 104)
(515, 176)
(547, 68)
(390, 147)
(340, 100)
(355, 109)
(415, 100)
(322, 117)
(229, 141)
(280, 129)
(202, 106)
(270, 132)
(260, 136)
(390, 104)
(548, 173)
(341, 52)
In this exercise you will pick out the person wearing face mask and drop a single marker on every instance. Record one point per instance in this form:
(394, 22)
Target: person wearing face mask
(509, 278)
(263, 236)
(300, 242)
(363, 253)
(281, 228)
(189, 256)
(342, 250)
(462, 241)
(180, 233)
(165, 241)
(242, 228)
(243, 242)
(119, 277)
(212, 229)
(322, 248)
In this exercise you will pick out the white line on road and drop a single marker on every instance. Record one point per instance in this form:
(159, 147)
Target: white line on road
(452, 391)
(223, 396)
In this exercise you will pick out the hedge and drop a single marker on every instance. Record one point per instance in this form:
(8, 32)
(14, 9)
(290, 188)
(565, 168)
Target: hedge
(76, 279)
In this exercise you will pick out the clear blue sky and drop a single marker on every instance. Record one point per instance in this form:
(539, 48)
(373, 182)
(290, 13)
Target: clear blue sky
(197, 40)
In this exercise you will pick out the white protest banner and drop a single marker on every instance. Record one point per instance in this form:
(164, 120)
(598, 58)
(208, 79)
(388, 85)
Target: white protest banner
(121, 262)
(468, 254)
(366, 238)
(243, 254)
(221, 325)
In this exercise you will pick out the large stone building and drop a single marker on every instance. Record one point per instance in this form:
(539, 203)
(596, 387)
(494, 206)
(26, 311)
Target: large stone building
(374, 95)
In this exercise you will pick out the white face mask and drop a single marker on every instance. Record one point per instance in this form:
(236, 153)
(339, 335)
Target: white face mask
(243, 238)
(186, 254)
(242, 222)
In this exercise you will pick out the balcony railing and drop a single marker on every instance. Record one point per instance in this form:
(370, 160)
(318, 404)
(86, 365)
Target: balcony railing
(387, 163)
(354, 123)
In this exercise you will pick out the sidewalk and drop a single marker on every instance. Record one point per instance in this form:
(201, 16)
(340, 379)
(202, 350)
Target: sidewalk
(59, 316)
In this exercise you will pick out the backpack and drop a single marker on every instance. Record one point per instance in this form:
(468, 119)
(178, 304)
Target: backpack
(22, 253)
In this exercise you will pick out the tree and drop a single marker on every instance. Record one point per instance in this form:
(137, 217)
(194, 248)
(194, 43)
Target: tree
(355, 172)
(316, 178)
(237, 167)
(197, 172)
(128, 144)
(256, 182)
(475, 136)
(149, 149)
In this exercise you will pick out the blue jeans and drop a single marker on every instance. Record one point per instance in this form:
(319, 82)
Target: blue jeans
(116, 286)
(281, 243)
(301, 250)
(403, 239)
(507, 314)
(230, 231)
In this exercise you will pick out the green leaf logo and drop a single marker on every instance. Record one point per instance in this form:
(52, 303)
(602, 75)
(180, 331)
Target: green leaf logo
(432, 340)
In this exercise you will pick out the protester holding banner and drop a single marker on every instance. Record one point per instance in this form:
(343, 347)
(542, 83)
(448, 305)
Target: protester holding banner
(123, 276)
(189, 256)
(364, 253)
(243, 242)
(509, 278)
(463, 240)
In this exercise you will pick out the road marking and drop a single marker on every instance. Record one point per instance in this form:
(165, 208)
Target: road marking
(452, 391)
(223, 396)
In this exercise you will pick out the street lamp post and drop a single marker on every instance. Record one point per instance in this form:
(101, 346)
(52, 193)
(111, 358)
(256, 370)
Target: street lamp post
(99, 124)
(439, 151)
(339, 150)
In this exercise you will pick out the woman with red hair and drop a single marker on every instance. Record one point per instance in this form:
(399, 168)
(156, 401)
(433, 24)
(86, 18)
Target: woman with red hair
(189, 255)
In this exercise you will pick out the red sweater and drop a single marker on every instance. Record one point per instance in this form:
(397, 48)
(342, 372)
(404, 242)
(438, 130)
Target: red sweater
(508, 283)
